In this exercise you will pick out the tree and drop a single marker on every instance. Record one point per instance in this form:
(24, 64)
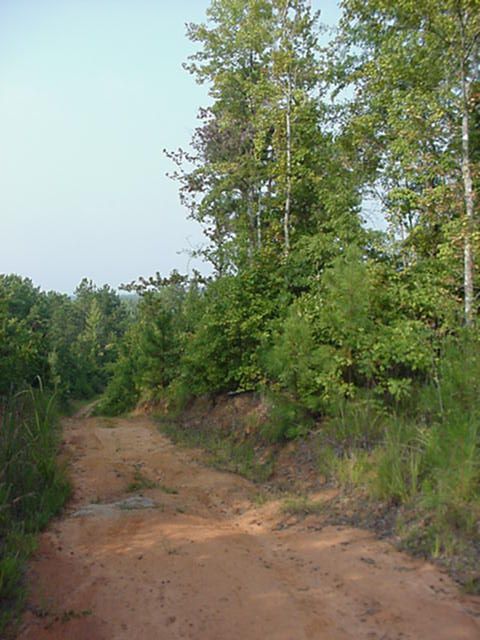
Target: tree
(252, 173)
(413, 67)
(23, 327)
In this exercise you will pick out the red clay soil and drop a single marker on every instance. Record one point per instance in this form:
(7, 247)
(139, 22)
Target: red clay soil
(201, 560)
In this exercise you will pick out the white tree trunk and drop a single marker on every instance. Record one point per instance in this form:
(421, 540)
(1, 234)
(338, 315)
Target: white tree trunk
(259, 222)
(469, 223)
(469, 302)
(288, 194)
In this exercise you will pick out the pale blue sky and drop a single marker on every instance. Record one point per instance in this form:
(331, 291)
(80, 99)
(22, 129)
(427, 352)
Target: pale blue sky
(91, 91)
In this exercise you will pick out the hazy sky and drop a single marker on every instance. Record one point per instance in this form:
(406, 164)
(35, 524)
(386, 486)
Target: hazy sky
(91, 91)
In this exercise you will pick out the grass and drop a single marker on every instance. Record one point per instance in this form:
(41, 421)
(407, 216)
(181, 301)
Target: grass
(51, 616)
(260, 499)
(224, 452)
(71, 614)
(141, 482)
(302, 506)
(108, 423)
(421, 457)
(169, 490)
(32, 489)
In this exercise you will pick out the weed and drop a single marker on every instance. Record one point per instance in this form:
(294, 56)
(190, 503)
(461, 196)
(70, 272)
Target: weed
(357, 424)
(141, 482)
(260, 498)
(166, 489)
(472, 586)
(108, 423)
(302, 506)
(398, 464)
(71, 614)
(353, 469)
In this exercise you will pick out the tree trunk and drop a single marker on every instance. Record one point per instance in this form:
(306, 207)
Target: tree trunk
(288, 194)
(259, 222)
(469, 224)
(468, 193)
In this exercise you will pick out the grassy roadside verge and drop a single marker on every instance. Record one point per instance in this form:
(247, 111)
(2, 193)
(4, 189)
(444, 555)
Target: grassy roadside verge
(224, 451)
(33, 488)
(410, 472)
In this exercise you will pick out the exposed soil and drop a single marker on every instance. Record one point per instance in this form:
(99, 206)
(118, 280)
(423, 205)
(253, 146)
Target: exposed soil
(193, 555)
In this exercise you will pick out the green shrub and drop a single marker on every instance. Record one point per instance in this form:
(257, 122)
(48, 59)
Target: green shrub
(286, 420)
(121, 393)
(222, 352)
(298, 364)
(347, 335)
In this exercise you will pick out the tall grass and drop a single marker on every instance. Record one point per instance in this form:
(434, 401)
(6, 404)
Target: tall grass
(32, 487)
(422, 455)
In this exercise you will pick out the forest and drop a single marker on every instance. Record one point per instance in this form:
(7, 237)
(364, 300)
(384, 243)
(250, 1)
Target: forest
(368, 337)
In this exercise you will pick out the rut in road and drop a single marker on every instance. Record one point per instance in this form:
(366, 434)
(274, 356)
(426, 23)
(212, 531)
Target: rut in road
(196, 558)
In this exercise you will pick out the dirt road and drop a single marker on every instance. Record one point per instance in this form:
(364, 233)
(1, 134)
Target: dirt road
(195, 556)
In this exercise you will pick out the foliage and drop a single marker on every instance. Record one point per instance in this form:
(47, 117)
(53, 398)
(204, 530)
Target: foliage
(121, 393)
(149, 354)
(425, 455)
(413, 69)
(356, 329)
(84, 334)
(264, 170)
(67, 342)
(223, 351)
(23, 315)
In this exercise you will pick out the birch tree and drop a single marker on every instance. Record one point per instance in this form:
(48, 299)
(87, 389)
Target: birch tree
(248, 178)
(413, 66)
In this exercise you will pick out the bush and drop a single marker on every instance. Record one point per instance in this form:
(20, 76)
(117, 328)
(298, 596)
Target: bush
(347, 335)
(122, 392)
(286, 420)
(222, 352)
(298, 365)
(432, 464)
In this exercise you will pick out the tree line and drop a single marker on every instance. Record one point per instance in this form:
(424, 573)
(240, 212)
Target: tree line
(65, 343)
(298, 137)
